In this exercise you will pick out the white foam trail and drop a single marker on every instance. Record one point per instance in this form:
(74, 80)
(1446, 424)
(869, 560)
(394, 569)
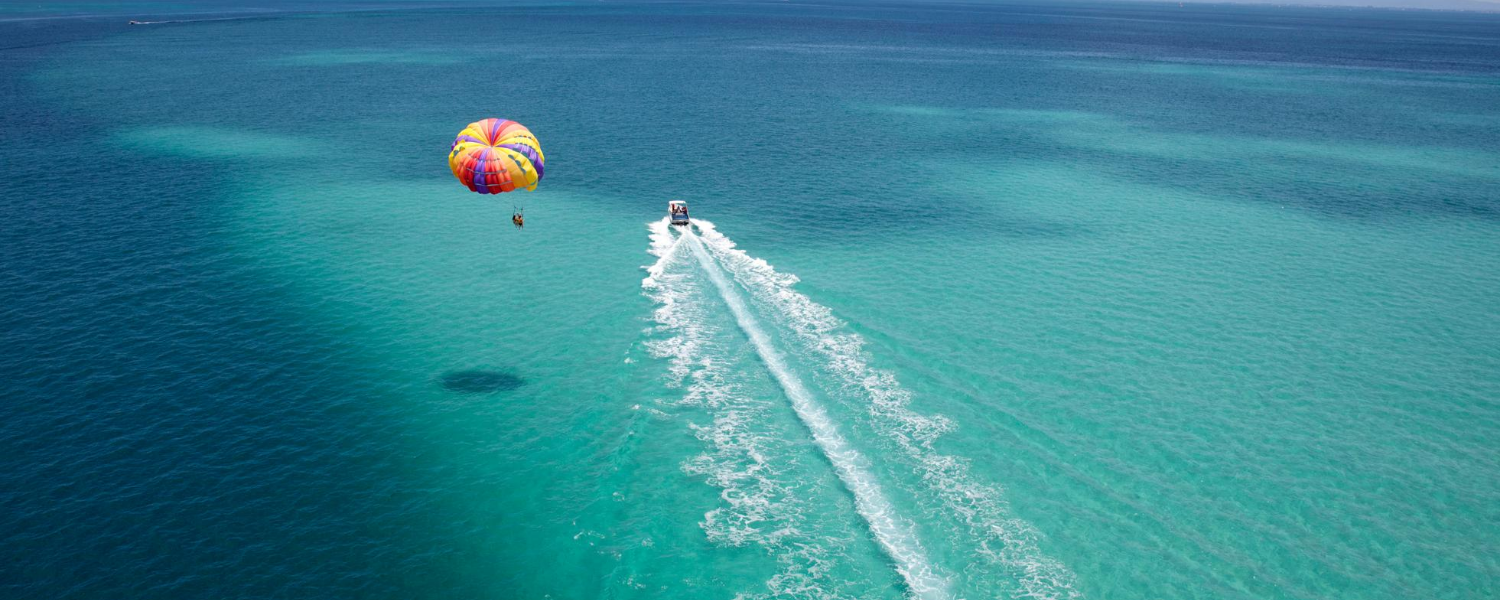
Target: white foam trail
(1003, 539)
(893, 533)
(671, 291)
(742, 459)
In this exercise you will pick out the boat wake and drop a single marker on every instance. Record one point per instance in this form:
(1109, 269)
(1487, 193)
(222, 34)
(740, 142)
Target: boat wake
(744, 459)
(892, 532)
(1003, 540)
(973, 515)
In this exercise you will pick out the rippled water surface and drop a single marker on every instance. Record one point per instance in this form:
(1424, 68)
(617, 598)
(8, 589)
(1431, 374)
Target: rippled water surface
(986, 301)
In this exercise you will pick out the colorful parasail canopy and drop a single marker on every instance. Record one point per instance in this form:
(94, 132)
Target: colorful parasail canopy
(495, 155)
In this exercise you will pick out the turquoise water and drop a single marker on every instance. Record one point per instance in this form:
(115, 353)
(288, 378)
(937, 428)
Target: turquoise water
(984, 301)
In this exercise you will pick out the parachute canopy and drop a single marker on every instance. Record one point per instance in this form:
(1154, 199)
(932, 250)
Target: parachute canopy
(495, 155)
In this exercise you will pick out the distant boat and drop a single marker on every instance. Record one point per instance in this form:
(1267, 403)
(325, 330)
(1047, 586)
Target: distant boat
(678, 212)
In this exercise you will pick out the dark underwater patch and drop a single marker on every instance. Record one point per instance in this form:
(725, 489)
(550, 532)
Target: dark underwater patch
(480, 381)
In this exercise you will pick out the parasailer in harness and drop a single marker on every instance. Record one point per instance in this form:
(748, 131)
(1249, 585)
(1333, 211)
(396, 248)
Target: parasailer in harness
(494, 156)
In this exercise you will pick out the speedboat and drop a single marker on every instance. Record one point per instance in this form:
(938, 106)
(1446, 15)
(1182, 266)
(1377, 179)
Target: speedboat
(678, 212)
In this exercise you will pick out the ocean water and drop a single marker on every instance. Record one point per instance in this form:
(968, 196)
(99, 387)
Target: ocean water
(984, 300)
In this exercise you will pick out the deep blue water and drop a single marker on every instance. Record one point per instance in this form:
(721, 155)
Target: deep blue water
(1104, 300)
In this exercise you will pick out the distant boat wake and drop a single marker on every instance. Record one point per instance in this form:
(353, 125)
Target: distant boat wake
(202, 20)
(813, 340)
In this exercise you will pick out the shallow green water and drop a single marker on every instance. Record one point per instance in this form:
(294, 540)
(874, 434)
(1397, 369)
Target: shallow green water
(989, 301)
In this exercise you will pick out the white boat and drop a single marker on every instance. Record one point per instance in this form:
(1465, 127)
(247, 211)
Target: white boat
(677, 210)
